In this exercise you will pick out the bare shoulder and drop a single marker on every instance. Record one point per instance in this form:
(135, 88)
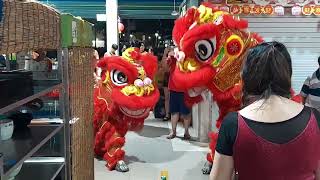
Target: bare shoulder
(272, 110)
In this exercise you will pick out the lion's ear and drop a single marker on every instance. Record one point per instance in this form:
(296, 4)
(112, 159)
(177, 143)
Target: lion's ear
(234, 23)
(183, 24)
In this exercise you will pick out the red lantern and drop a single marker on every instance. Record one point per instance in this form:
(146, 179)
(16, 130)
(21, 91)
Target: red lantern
(120, 27)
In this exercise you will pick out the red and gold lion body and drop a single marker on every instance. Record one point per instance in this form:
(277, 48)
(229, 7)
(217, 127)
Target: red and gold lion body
(122, 101)
(212, 46)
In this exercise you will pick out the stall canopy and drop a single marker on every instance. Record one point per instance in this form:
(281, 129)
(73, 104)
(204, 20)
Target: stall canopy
(128, 9)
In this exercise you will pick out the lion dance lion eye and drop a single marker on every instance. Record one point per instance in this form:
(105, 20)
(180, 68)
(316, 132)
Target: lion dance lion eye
(118, 78)
(205, 49)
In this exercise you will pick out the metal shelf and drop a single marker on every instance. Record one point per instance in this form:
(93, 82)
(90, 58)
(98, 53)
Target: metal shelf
(43, 92)
(24, 144)
(42, 169)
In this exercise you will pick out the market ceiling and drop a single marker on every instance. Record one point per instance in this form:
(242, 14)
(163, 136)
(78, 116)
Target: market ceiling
(128, 9)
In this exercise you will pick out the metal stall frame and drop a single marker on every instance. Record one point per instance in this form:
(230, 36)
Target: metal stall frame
(63, 55)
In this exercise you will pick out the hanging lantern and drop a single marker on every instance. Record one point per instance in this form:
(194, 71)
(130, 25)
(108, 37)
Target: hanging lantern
(120, 27)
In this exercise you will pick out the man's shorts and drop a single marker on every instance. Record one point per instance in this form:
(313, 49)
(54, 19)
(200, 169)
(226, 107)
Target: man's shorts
(177, 104)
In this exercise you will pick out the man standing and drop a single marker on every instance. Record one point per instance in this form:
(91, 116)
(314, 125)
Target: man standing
(311, 90)
(177, 104)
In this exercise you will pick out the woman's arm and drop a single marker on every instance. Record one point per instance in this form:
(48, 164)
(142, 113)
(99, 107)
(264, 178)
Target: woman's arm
(223, 167)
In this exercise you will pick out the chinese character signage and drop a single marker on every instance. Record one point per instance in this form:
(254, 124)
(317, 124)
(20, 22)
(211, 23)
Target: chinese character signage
(270, 7)
(271, 2)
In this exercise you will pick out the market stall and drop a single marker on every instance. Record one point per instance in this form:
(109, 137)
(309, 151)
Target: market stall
(77, 55)
(29, 150)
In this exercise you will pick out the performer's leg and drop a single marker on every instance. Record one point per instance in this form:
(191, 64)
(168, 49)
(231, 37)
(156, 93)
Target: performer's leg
(166, 103)
(186, 123)
(175, 104)
(174, 123)
(114, 152)
(108, 144)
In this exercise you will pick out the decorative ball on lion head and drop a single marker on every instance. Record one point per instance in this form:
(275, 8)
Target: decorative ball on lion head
(211, 47)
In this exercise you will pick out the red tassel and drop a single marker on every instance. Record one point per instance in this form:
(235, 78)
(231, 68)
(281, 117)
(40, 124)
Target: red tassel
(212, 146)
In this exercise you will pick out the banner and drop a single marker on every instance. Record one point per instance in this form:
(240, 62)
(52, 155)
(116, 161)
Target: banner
(285, 3)
(271, 10)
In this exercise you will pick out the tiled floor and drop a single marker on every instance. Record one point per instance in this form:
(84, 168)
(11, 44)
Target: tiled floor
(149, 152)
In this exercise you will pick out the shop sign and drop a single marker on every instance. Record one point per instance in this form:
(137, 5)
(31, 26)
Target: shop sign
(246, 9)
(279, 10)
(316, 10)
(296, 10)
(74, 32)
(235, 9)
(307, 10)
(273, 2)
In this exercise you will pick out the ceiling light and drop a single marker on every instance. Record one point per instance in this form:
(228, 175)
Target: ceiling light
(174, 13)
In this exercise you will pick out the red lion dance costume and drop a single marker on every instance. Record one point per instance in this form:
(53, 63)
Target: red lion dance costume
(122, 101)
(212, 45)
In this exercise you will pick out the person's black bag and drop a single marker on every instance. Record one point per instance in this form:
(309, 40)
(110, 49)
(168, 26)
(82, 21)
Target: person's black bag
(159, 110)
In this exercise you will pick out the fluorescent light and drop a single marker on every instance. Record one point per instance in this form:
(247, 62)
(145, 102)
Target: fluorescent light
(101, 17)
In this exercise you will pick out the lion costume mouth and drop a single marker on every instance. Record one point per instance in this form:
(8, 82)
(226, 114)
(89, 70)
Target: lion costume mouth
(140, 113)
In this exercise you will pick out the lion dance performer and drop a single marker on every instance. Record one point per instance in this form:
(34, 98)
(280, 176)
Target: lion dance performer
(212, 45)
(122, 101)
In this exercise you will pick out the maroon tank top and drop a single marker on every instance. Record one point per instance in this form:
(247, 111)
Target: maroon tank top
(258, 159)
